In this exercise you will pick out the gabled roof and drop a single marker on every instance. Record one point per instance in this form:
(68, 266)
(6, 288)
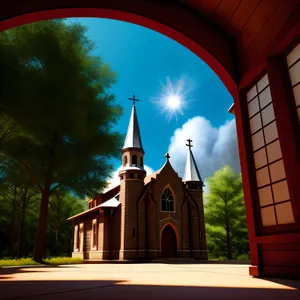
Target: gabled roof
(191, 170)
(111, 203)
(133, 137)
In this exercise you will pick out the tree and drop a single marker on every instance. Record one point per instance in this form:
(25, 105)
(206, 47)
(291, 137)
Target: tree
(65, 124)
(62, 205)
(225, 215)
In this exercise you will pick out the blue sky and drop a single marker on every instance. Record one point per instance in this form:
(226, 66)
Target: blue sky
(143, 59)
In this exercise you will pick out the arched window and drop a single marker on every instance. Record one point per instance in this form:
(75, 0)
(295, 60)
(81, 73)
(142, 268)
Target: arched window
(134, 160)
(124, 160)
(142, 162)
(167, 200)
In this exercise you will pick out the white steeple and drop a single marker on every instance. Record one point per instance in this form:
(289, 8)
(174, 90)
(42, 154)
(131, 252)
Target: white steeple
(133, 137)
(191, 170)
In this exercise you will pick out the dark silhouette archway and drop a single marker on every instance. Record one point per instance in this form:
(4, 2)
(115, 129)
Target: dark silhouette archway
(168, 243)
(240, 43)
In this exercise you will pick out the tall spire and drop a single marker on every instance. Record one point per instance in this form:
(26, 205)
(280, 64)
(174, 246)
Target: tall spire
(191, 170)
(133, 137)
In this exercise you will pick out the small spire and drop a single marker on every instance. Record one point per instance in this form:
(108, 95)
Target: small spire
(167, 156)
(191, 170)
(133, 137)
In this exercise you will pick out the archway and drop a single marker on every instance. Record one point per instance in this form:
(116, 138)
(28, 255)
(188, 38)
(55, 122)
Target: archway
(236, 61)
(168, 242)
(211, 46)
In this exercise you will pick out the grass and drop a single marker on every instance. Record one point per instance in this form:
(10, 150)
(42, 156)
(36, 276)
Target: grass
(7, 262)
(17, 262)
(63, 260)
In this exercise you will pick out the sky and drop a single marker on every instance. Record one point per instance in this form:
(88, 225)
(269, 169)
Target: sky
(149, 65)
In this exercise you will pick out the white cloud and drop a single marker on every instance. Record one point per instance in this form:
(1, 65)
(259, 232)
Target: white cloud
(115, 180)
(212, 147)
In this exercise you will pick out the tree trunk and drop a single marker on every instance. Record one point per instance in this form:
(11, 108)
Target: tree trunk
(228, 243)
(40, 241)
(12, 224)
(56, 237)
(21, 228)
(21, 234)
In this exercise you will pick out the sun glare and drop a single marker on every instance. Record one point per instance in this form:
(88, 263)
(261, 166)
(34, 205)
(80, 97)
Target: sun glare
(173, 98)
(174, 101)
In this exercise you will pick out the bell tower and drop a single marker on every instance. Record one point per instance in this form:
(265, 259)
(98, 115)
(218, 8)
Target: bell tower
(132, 176)
(194, 186)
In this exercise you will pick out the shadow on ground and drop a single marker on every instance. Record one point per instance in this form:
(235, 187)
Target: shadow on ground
(113, 289)
(93, 282)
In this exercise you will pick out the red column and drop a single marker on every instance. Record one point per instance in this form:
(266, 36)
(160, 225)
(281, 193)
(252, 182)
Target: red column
(287, 127)
(246, 161)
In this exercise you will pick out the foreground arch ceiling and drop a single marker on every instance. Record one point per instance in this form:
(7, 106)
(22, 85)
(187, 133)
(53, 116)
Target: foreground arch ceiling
(232, 36)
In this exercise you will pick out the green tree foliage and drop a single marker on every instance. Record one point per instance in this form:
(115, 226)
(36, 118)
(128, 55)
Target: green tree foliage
(59, 95)
(19, 215)
(226, 229)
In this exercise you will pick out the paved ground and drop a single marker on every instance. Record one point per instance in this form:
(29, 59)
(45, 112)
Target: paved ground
(142, 281)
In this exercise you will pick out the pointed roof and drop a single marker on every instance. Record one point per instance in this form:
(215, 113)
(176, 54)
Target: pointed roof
(191, 170)
(133, 137)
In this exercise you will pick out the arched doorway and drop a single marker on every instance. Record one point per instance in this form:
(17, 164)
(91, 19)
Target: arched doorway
(168, 243)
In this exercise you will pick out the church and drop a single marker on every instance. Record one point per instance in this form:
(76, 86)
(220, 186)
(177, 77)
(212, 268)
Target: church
(144, 217)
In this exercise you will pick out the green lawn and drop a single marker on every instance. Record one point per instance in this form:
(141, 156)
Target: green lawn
(29, 261)
(62, 260)
(17, 262)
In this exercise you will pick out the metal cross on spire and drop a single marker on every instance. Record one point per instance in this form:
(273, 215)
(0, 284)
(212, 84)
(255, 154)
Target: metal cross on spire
(189, 144)
(133, 99)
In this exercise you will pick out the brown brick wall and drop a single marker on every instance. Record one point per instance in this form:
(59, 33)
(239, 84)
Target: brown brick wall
(141, 228)
(152, 228)
(100, 232)
(199, 225)
(87, 229)
(168, 177)
(131, 190)
(116, 238)
(185, 230)
(115, 235)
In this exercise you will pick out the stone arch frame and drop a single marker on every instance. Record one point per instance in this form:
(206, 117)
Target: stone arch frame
(174, 199)
(144, 14)
(175, 231)
(16, 14)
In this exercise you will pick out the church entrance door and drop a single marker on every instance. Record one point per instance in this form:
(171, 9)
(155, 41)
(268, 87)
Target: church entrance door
(168, 243)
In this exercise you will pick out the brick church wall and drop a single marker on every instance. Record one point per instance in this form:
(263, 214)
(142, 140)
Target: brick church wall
(131, 190)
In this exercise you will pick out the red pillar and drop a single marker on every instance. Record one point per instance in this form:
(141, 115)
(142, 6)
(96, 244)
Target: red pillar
(246, 158)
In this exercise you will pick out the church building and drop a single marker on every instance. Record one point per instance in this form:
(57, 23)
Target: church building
(144, 217)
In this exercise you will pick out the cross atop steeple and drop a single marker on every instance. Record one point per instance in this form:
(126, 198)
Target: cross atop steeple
(133, 100)
(189, 144)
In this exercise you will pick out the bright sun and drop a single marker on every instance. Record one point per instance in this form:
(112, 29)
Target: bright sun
(174, 101)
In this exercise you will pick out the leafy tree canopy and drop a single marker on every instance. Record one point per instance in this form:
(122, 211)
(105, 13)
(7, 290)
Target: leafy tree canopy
(58, 96)
(225, 215)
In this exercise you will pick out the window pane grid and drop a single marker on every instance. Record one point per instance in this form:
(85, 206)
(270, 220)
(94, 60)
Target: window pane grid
(272, 204)
(269, 168)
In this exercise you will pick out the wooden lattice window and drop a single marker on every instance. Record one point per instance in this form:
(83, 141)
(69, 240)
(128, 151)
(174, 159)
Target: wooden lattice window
(271, 182)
